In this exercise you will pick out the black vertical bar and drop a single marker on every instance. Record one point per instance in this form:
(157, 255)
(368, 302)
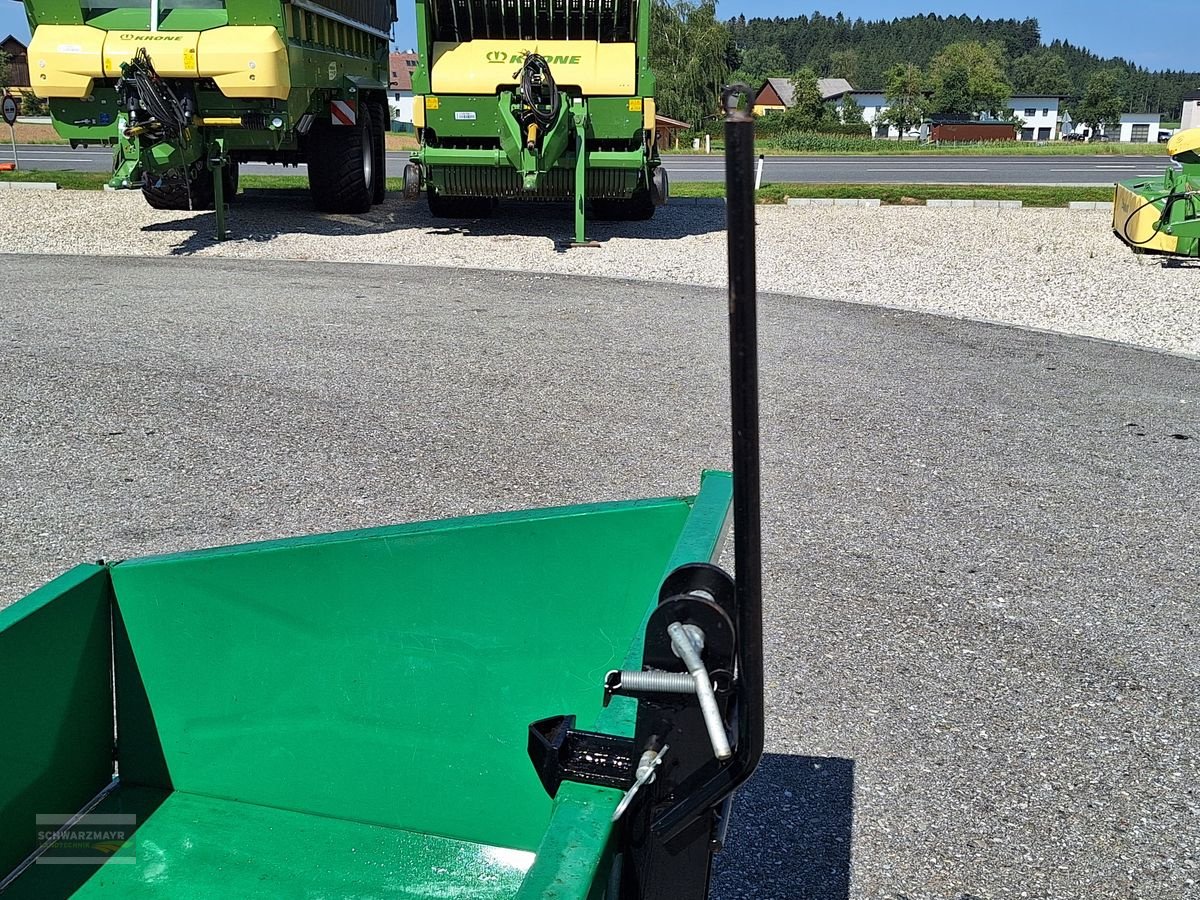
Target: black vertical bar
(743, 375)
(747, 530)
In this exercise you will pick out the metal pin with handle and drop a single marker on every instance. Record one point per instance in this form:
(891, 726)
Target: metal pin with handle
(683, 643)
(650, 761)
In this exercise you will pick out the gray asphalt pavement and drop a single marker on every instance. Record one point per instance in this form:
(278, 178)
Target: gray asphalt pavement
(982, 554)
(817, 169)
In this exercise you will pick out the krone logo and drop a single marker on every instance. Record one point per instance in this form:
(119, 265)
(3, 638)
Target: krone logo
(497, 56)
(151, 37)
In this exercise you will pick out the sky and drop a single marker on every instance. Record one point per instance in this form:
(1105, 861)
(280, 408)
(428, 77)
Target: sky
(1157, 34)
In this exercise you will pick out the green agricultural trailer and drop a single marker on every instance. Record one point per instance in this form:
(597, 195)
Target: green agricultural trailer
(543, 704)
(536, 101)
(186, 90)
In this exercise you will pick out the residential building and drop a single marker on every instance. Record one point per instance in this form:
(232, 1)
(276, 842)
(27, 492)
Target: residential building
(400, 90)
(778, 94)
(1038, 117)
(1140, 128)
(874, 105)
(18, 61)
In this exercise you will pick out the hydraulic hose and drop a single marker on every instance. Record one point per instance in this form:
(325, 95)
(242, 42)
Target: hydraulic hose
(538, 91)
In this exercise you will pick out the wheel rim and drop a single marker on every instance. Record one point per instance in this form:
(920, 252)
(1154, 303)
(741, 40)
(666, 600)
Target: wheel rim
(368, 160)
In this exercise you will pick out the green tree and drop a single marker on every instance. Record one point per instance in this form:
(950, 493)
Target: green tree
(850, 112)
(690, 53)
(808, 106)
(905, 94)
(968, 78)
(760, 63)
(1042, 74)
(844, 64)
(1102, 102)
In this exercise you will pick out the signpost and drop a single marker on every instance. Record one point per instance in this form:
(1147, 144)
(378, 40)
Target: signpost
(8, 106)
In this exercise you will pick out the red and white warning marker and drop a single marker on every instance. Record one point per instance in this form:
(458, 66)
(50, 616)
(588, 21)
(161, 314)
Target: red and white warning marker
(342, 112)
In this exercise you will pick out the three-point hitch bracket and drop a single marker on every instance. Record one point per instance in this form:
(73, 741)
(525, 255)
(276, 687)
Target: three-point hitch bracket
(699, 728)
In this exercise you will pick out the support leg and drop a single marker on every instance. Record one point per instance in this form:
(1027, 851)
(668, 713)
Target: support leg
(581, 180)
(216, 162)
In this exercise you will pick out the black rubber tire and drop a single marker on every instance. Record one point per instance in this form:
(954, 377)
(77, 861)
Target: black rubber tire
(637, 208)
(341, 165)
(172, 192)
(441, 207)
(230, 178)
(380, 121)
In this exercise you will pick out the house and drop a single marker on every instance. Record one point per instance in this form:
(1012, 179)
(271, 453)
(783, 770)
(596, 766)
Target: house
(1038, 117)
(1191, 111)
(400, 89)
(1140, 128)
(874, 105)
(666, 132)
(18, 61)
(777, 94)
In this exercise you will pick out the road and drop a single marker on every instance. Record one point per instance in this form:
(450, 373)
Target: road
(1046, 170)
(980, 541)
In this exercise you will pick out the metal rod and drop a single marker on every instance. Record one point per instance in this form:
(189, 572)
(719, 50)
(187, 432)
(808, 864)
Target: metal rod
(747, 531)
(681, 641)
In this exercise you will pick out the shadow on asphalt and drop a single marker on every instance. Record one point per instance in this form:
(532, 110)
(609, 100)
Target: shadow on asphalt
(261, 215)
(791, 832)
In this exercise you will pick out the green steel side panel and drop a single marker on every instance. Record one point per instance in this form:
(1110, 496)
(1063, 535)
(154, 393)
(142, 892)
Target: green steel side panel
(385, 676)
(571, 858)
(188, 848)
(55, 705)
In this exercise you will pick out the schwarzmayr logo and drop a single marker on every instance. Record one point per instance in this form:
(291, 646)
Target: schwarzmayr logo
(499, 56)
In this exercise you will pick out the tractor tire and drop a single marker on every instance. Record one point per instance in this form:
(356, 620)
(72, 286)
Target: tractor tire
(441, 207)
(341, 165)
(637, 208)
(380, 121)
(229, 181)
(172, 192)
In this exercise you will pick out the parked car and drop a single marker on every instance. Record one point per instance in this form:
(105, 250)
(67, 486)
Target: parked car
(1074, 136)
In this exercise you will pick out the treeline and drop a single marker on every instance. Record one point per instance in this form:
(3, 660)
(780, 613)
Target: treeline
(865, 52)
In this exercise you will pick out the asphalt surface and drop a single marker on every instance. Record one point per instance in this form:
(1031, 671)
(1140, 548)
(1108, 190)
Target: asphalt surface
(981, 542)
(1047, 170)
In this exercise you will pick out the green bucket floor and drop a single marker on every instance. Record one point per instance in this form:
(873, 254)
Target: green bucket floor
(188, 846)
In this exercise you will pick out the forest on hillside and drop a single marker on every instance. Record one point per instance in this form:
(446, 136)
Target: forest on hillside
(863, 52)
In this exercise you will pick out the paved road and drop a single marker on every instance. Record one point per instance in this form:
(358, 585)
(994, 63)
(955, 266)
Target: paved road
(844, 169)
(981, 542)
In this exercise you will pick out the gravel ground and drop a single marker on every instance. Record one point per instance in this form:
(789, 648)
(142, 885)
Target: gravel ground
(1049, 269)
(981, 542)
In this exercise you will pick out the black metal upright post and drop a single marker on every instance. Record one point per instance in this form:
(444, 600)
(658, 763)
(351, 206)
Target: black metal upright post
(743, 372)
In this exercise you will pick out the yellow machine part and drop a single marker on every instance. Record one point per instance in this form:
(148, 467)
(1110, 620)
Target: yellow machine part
(484, 67)
(244, 60)
(1139, 231)
(1184, 142)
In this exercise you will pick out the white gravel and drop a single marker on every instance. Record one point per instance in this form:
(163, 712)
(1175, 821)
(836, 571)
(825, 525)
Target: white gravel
(1050, 269)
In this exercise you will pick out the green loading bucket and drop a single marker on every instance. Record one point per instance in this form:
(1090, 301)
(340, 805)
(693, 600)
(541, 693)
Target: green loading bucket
(343, 715)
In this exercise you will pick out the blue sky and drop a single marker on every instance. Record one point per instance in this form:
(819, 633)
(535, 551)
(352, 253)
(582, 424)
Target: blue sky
(1156, 34)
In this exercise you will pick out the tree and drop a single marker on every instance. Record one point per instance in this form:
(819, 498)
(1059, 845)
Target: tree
(968, 78)
(759, 64)
(844, 64)
(5, 71)
(1042, 74)
(808, 106)
(850, 112)
(689, 53)
(905, 95)
(1102, 102)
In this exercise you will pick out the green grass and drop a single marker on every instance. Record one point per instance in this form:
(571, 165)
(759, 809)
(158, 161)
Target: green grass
(843, 145)
(770, 193)
(900, 194)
